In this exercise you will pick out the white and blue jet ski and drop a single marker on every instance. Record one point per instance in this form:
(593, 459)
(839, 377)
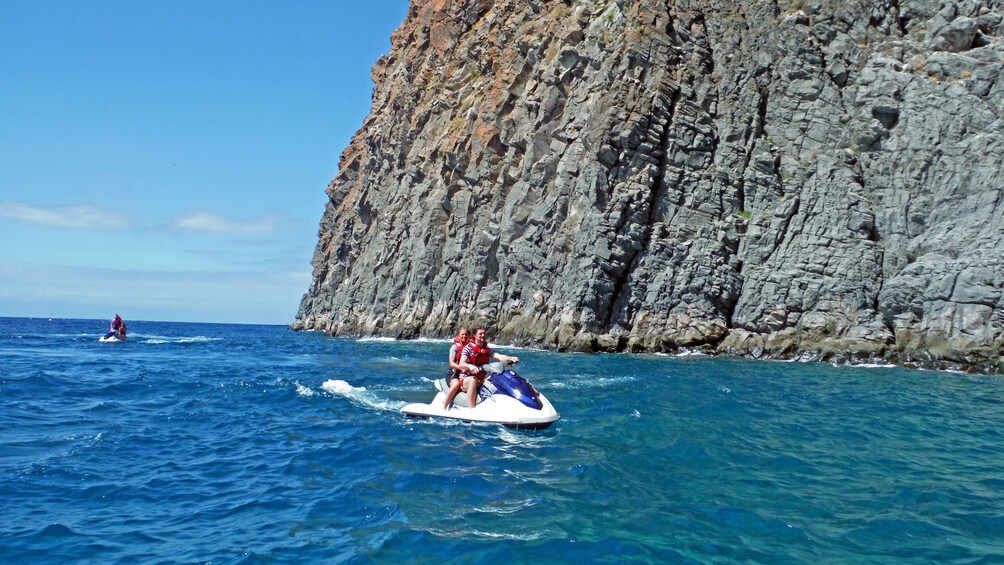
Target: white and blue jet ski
(505, 398)
(111, 337)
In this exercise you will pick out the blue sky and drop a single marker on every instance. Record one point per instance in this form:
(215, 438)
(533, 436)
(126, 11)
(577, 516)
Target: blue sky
(168, 160)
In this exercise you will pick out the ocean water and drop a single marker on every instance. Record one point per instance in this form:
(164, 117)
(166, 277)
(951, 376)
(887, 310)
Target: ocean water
(202, 443)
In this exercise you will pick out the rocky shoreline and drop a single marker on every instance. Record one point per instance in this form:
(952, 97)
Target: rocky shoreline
(809, 179)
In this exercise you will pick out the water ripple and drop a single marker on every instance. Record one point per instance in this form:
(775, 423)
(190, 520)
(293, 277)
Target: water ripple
(253, 444)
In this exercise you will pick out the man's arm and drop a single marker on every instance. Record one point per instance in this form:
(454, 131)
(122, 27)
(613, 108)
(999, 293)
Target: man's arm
(468, 367)
(512, 359)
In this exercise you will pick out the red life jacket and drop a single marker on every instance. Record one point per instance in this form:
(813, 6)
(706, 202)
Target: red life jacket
(479, 356)
(460, 349)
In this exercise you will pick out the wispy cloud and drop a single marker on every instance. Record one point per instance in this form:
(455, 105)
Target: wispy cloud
(254, 253)
(209, 222)
(80, 217)
(243, 296)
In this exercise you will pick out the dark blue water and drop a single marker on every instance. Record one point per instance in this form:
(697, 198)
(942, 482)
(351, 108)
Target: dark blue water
(255, 444)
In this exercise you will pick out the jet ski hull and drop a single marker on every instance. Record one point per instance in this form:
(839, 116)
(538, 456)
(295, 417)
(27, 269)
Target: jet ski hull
(495, 408)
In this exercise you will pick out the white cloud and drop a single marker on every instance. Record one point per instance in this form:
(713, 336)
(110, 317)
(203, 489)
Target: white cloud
(80, 217)
(202, 221)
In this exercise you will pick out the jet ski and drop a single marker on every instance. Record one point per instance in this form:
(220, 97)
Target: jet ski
(111, 337)
(505, 398)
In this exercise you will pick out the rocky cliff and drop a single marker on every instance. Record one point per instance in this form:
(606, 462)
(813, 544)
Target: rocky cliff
(810, 178)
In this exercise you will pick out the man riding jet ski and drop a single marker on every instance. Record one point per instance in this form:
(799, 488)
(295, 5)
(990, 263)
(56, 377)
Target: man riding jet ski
(470, 371)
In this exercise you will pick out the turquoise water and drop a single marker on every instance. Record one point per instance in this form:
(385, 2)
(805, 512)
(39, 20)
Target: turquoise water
(256, 444)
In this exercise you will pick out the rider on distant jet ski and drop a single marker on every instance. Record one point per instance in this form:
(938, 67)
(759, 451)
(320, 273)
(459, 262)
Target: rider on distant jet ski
(118, 328)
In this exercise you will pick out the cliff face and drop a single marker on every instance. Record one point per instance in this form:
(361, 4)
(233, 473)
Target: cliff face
(813, 178)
